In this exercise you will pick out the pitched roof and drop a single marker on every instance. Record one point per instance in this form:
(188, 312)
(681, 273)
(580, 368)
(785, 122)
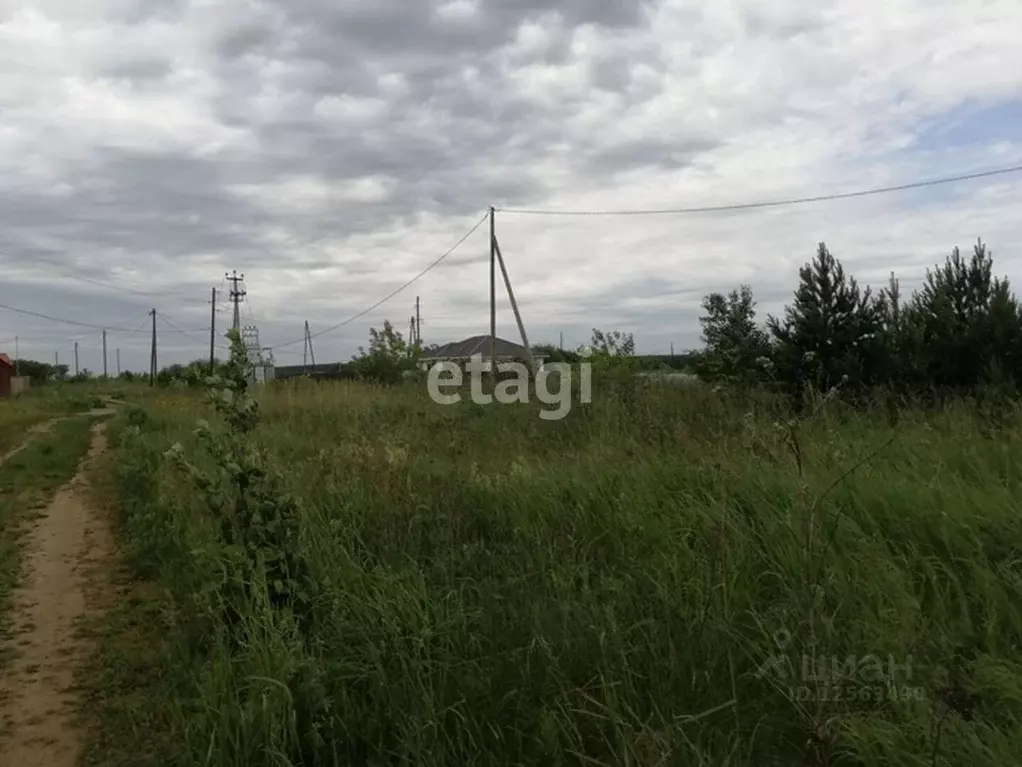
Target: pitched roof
(5, 359)
(476, 345)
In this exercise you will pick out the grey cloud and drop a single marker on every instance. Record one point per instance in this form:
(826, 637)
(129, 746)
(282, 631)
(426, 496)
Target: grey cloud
(445, 166)
(611, 74)
(406, 29)
(659, 153)
(143, 11)
(139, 201)
(246, 39)
(762, 21)
(139, 69)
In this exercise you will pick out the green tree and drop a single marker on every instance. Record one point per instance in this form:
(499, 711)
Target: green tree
(612, 352)
(965, 324)
(170, 374)
(41, 372)
(829, 334)
(388, 357)
(736, 347)
(612, 344)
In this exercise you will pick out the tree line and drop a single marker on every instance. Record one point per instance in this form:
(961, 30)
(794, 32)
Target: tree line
(192, 374)
(960, 332)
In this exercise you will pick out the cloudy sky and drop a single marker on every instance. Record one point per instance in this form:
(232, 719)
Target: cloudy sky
(332, 149)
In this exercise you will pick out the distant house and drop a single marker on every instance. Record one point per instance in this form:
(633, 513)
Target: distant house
(6, 375)
(462, 352)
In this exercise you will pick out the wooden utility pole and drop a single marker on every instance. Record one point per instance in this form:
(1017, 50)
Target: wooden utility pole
(152, 353)
(17, 357)
(118, 363)
(76, 358)
(493, 297)
(514, 306)
(212, 334)
(418, 322)
(105, 375)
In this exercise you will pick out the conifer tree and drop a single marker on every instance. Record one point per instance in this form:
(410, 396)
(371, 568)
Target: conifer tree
(828, 335)
(897, 344)
(969, 323)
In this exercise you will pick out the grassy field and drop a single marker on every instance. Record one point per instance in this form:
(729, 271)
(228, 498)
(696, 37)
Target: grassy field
(19, 414)
(668, 576)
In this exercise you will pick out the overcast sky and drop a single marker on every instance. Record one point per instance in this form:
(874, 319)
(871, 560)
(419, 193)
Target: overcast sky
(331, 149)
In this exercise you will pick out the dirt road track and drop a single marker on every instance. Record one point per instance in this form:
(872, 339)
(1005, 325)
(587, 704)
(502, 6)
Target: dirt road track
(64, 548)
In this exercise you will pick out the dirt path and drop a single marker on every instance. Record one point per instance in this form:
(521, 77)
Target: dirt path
(64, 547)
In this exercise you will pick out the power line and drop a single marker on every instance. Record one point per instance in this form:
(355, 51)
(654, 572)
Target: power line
(770, 203)
(119, 288)
(137, 330)
(185, 333)
(64, 321)
(64, 271)
(389, 296)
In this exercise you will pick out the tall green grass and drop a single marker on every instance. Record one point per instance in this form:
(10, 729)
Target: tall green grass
(495, 589)
(19, 414)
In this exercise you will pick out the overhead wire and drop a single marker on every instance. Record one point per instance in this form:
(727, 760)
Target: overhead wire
(768, 203)
(185, 333)
(63, 270)
(393, 293)
(139, 328)
(76, 323)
